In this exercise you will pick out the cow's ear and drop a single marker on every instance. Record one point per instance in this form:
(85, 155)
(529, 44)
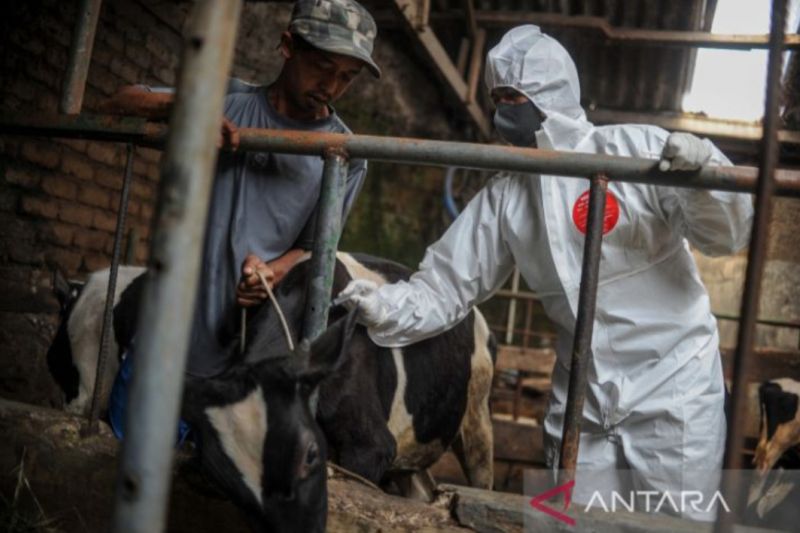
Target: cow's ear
(61, 288)
(328, 351)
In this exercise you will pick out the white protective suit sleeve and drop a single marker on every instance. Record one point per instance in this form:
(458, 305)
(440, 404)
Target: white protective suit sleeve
(463, 268)
(715, 222)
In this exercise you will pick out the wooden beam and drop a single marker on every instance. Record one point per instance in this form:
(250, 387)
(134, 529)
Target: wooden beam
(478, 44)
(534, 360)
(768, 363)
(724, 129)
(472, 25)
(437, 56)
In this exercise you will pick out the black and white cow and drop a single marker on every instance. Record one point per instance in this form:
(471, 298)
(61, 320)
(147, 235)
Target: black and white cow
(773, 495)
(72, 357)
(380, 411)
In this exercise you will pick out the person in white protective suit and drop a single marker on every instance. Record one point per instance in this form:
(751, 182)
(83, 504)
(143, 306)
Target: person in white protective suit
(654, 403)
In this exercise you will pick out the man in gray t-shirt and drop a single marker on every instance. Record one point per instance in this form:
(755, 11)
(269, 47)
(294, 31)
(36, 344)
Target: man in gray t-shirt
(263, 205)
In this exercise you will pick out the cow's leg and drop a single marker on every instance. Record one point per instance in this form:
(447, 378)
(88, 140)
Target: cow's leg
(474, 444)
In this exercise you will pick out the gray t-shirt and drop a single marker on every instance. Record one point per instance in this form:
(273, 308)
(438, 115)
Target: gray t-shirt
(261, 203)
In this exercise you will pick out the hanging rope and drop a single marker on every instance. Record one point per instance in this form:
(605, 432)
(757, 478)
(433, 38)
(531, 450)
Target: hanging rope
(277, 306)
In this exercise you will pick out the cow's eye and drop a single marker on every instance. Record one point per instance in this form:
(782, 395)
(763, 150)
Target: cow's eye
(312, 454)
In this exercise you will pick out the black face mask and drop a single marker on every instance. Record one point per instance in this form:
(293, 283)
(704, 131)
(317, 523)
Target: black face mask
(518, 123)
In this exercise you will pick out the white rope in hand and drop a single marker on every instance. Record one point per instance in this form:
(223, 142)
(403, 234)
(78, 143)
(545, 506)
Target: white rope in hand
(282, 318)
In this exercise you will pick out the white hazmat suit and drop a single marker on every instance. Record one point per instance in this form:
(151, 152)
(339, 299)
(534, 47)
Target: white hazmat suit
(654, 402)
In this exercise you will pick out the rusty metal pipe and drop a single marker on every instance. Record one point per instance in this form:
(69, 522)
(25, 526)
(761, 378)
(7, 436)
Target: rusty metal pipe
(171, 286)
(80, 56)
(756, 257)
(584, 324)
(108, 312)
(420, 151)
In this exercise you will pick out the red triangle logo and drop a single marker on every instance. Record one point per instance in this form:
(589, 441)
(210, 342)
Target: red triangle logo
(566, 488)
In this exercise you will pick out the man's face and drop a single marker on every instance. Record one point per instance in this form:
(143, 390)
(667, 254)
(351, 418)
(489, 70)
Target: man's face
(316, 78)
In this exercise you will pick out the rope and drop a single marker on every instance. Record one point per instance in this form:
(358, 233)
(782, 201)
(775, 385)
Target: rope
(275, 303)
(352, 475)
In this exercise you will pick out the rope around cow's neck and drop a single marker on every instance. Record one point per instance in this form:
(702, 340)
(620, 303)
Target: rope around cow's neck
(275, 303)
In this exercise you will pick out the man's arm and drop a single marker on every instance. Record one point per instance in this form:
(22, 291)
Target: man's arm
(250, 291)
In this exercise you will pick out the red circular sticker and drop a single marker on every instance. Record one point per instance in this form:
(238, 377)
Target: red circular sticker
(580, 212)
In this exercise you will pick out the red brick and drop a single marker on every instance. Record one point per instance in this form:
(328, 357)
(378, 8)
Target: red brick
(25, 251)
(142, 190)
(79, 145)
(103, 152)
(133, 207)
(94, 195)
(59, 187)
(46, 155)
(101, 55)
(102, 79)
(23, 89)
(147, 212)
(107, 177)
(165, 75)
(95, 261)
(91, 239)
(113, 40)
(43, 207)
(9, 200)
(104, 220)
(23, 177)
(47, 102)
(57, 57)
(77, 165)
(40, 71)
(56, 30)
(124, 69)
(67, 260)
(75, 213)
(160, 52)
(138, 55)
(57, 233)
(142, 253)
(150, 155)
(154, 172)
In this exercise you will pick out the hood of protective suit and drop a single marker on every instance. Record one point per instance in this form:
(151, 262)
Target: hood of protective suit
(538, 66)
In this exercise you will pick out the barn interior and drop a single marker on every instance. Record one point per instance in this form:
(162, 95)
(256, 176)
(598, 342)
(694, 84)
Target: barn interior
(639, 61)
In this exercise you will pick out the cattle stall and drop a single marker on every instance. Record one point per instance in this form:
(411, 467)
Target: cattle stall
(145, 463)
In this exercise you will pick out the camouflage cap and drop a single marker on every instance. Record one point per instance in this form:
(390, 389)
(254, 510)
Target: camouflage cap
(338, 26)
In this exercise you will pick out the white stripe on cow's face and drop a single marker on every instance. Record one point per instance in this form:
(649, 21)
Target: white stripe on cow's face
(359, 271)
(242, 430)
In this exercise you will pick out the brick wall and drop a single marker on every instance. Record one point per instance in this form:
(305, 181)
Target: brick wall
(59, 198)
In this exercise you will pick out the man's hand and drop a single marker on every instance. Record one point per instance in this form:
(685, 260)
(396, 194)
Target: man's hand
(684, 151)
(361, 293)
(250, 291)
(229, 135)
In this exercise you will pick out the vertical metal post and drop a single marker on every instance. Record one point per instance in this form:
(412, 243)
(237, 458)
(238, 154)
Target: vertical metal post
(584, 324)
(512, 308)
(170, 290)
(108, 312)
(756, 257)
(326, 242)
(80, 57)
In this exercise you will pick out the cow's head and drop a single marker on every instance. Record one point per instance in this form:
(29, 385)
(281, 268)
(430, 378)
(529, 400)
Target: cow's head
(779, 438)
(258, 438)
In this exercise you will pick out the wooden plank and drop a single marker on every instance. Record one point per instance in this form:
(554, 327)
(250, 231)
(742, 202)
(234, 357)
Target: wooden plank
(536, 360)
(518, 442)
(768, 364)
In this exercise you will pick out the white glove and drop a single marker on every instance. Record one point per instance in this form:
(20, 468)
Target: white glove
(361, 293)
(684, 151)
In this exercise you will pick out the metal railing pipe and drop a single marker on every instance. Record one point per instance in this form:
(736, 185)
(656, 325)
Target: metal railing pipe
(584, 325)
(756, 258)
(171, 286)
(80, 56)
(326, 242)
(419, 151)
(108, 312)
